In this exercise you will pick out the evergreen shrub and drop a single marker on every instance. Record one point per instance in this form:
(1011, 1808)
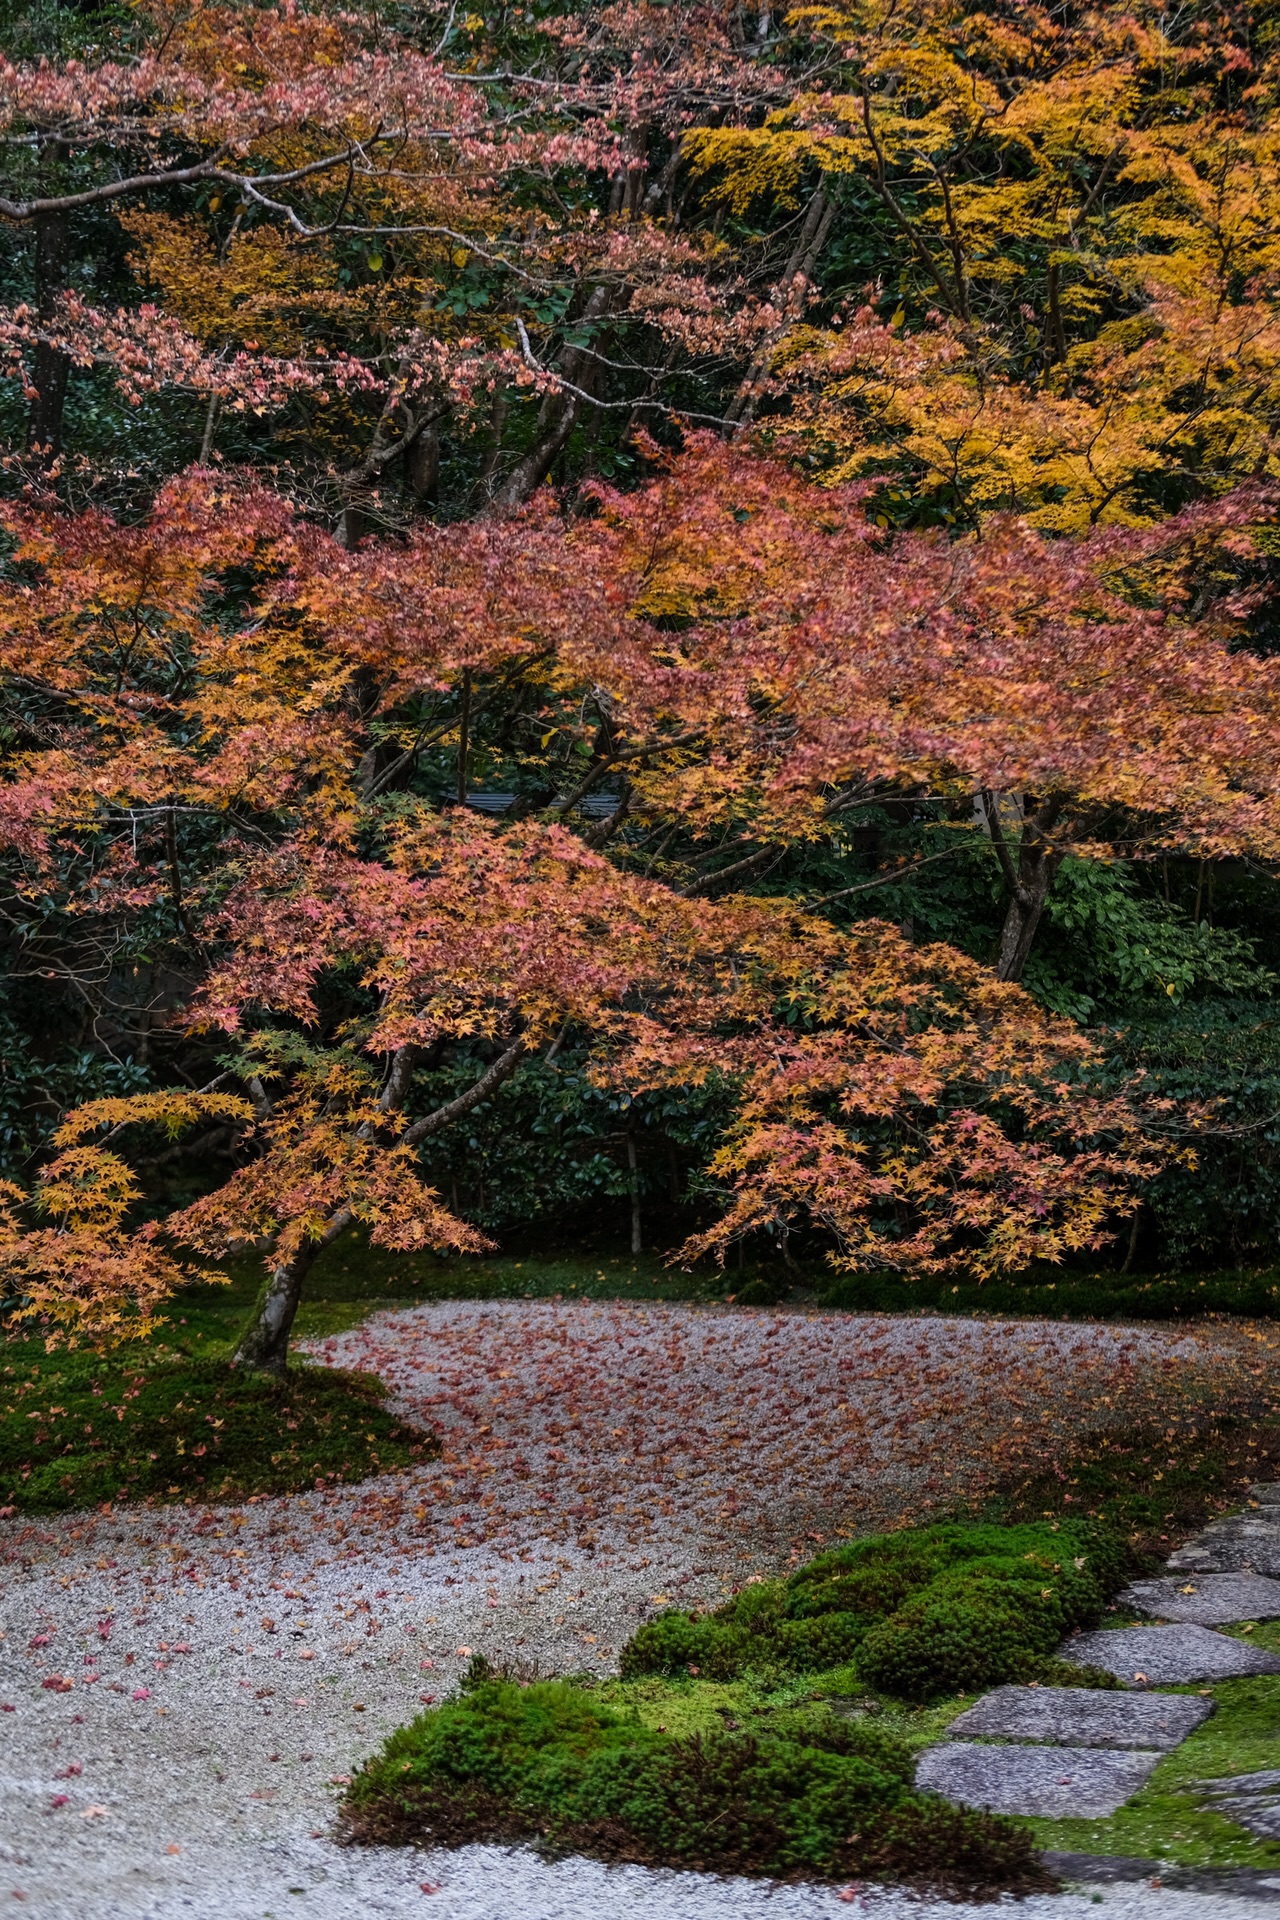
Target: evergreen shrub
(548, 1764)
(923, 1613)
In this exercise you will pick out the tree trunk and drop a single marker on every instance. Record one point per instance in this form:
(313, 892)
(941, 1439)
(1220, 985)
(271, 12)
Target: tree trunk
(557, 417)
(264, 1344)
(1030, 875)
(50, 368)
(812, 239)
(637, 1239)
(1022, 917)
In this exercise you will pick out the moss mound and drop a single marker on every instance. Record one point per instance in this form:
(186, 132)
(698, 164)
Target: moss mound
(546, 1763)
(76, 1431)
(922, 1613)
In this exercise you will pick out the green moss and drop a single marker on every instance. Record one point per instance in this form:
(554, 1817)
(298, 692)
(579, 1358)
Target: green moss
(810, 1796)
(76, 1431)
(921, 1613)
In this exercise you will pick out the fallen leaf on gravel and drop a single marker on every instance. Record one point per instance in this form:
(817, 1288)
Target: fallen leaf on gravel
(142, 1693)
(60, 1800)
(339, 1779)
(430, 1886)
(427, 1699)
(173, 1847)
(93, 1813)
(464, 1653)
(7, 1706)
(306, 1654)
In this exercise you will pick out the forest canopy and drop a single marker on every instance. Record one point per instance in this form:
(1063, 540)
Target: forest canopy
(635, 610)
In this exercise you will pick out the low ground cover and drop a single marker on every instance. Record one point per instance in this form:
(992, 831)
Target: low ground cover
(76, 1430)
(744, 1740)
(1058, 1293)
(863, 1655)
(549, 1762)
(1153, 1483)
(923, 1613)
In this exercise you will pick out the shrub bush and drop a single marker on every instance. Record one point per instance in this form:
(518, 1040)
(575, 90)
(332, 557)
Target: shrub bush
(925, 1612)
(547, 1763)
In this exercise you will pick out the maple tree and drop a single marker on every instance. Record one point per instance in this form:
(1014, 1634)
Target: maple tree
(875, 1081)
(907, 379)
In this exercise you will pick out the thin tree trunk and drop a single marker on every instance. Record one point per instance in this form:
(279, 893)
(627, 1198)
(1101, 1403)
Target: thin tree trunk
(637, 1240)
(1022, 917)
(557, 419)
(812, 239)
(464, 731)
(50, 367)
(1030, 876)
(210, 433)
(264, 1344)
(1133, 1241)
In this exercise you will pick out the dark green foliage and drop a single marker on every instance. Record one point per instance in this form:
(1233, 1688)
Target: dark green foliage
(41, 1075)
(922, 1613)
(547, 1763)
(550, 1144)
(1225, 1056)
(1058, 1294)
(76, 1431)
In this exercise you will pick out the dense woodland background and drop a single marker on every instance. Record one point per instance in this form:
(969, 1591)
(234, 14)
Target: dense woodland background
(998, 260)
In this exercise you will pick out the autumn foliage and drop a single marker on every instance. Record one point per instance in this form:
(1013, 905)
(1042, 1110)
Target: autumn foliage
(737, 434)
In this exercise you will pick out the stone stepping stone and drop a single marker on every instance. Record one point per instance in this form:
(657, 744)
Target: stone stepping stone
(1164, 1656)
(1206, 1599)
(1252, 1800)
(1246, 1542)
(1065, 1783)
(1084, 1717)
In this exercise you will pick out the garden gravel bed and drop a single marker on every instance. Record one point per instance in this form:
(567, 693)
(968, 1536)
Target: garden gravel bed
(184, 1687)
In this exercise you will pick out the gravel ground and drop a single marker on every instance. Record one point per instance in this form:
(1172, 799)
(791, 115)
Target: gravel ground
(184, 1688)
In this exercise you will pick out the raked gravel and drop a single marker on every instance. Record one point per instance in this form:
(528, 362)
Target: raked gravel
(184, 1688)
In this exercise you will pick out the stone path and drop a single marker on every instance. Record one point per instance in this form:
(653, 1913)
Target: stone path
(1246, 1542)
(1084, 1717)
(1168, 1656)
(1207, 1599)
(1054, 1782)
(1080, 1753)
(1252, 1800)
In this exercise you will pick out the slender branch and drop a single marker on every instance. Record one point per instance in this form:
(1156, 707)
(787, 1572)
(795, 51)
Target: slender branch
(502, 1069)
(880, 880)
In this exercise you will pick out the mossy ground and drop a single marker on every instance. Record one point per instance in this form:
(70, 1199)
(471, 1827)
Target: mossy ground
(166, 1420)
(795, 1791)
(1167, 1822)
(78, 1432)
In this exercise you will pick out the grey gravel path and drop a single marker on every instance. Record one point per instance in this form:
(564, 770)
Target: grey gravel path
(185, 1684)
